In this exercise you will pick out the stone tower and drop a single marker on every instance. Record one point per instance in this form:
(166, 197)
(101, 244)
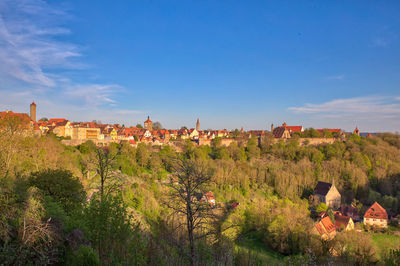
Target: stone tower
(198, 125)
(33, 111)
(148, 124)
(272, 127)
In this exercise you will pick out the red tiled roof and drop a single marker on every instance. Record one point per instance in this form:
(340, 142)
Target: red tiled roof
(376, 211)
(24, 118)
(294, 128)
(320, 229)
(341, 221)
(57, 120)
(327, 223)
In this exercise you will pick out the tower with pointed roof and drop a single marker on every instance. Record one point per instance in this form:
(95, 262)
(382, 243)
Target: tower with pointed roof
(148, 124)
(198, 125)
(33, 112)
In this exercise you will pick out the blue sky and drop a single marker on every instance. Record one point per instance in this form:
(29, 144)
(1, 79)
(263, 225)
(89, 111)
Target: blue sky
(230, 63)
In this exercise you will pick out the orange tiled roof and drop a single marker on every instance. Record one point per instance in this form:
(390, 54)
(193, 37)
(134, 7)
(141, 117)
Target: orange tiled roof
(57, 120)
(376, 211)
(327, 223)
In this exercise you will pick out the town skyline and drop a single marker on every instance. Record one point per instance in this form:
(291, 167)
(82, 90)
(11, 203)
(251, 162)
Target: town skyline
(194, 125)
(232, 65)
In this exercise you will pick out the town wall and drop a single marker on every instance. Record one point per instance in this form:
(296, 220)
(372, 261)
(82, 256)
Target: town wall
(316, 141)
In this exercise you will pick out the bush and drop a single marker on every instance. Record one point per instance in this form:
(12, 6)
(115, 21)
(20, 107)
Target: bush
(85, 255)
(60, 185)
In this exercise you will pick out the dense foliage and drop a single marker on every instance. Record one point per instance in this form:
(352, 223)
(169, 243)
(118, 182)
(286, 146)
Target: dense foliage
(53, 211)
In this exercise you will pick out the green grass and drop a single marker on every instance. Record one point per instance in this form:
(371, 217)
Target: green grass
(384, 242)
(259, 250)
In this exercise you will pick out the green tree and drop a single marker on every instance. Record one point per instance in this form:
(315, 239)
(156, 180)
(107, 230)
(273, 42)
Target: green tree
(252, 149)
(321, 207)
(61, 186)
(110, 229)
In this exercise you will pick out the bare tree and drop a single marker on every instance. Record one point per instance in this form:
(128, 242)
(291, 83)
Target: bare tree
(12, 129)
(187, 189)
(105, 159)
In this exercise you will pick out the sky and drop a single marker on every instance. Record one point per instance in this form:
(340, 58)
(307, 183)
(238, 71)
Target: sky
(232, 64)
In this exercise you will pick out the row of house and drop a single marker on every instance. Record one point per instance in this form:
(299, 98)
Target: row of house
(114, 132)
(94, 131)
(344, 215)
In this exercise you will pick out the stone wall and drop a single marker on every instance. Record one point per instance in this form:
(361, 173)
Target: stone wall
(76, 142)
(316, 141)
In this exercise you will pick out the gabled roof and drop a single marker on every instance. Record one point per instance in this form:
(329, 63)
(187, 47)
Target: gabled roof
(322, 188)
(320, 229)
(327, 223)
(349, 210)
(376, 211)
(278, 132)
(341, 221)
(295, 128)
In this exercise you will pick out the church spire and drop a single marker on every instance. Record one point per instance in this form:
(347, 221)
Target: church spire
(198, 125)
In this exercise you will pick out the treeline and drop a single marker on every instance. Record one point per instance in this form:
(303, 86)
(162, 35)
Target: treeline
(87, 205)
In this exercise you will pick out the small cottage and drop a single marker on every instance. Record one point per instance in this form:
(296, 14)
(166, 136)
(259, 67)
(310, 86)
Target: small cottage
(325, 228)
(343, 222)
(376, 216)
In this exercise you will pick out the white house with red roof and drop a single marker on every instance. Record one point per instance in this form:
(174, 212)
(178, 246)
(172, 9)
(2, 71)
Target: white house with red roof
(376, 215)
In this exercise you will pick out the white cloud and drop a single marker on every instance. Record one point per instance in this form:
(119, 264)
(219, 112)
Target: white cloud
(360, 105)
(93, 94)
(34, 62)
(27, 43)
(377, 113)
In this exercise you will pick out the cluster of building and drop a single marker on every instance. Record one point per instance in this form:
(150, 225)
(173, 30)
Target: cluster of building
(345, 216)
(79, 132)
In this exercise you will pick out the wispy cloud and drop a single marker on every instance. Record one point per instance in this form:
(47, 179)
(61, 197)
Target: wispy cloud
(36, 62)
(380, 42)
(360, 105)
(93, 94)
(27, 43)
(337, 77)
(374, 113)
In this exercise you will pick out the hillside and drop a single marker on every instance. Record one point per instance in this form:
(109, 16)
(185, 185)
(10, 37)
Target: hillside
(128, 205)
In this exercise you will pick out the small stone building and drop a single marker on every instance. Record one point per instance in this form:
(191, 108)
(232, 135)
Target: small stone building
(343, 222)
(327, 193)
(325, 228)
(376, 215)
